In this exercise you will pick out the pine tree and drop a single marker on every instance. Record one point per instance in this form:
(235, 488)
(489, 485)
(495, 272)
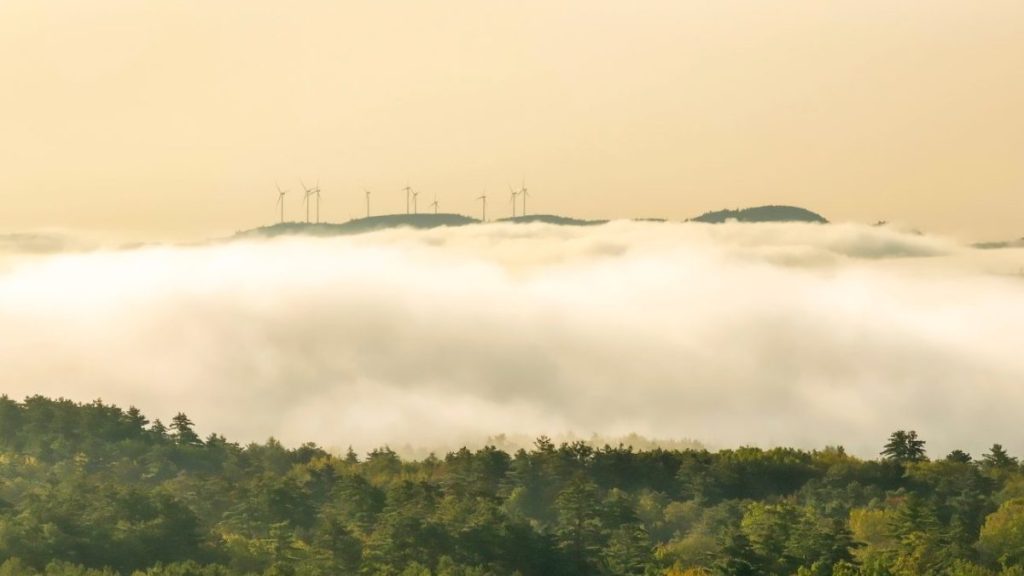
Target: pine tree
(158, 429)
(737, 557)
(135, 417)
(579, 526)
(629, 550)
(998, 459)
(904, 447)
(959, 456)
(183, 432)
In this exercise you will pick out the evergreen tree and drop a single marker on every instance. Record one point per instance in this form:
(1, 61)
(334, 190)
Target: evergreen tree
(998, 459)
(904, 447)
(183, 433)
(135, 418)
(579, 525)
(737, 557)
(629, 550)
(959, 456)
(158, 429)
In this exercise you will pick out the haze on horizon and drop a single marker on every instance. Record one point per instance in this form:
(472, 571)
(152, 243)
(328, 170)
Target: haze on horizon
(174, 119)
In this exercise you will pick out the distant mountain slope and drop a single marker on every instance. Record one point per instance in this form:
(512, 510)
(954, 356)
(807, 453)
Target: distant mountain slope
(420, 221)
(762, 214)
(997, 245)
(425, 221)
(552, 219)
(35, 243)
(360, 225)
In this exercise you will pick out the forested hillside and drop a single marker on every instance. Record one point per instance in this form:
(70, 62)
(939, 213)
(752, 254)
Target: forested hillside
(762, 214)
(94, 489)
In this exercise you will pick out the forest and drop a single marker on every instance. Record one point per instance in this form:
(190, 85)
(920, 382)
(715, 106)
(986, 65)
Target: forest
(93, 489)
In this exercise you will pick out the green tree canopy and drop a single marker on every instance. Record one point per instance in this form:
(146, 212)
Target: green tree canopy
(904, 446)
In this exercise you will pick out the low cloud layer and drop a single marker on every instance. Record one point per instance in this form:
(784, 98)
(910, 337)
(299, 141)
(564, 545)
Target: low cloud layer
(733, 334)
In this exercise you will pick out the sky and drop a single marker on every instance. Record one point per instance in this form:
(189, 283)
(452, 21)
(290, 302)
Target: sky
(175, 120)
(772, 334)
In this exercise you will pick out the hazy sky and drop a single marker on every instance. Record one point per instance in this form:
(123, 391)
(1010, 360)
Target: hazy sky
(175, 118)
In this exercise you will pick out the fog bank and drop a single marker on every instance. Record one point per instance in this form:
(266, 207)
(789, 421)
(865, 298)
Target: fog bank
(769, 334)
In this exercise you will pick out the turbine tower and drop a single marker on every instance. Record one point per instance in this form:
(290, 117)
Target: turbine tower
(415, 210)
(280, 201)
(514, 193)
(317, 194)
(484, 198)
(434, 205)
(367, 202)
(524, 194)
(408, 191)
(305, 198)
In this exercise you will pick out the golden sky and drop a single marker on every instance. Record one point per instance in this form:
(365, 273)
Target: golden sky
(174, 119)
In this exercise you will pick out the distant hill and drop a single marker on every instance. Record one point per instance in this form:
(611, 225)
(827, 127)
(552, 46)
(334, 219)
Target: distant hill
(36, 243)
(762, 214)
(552, 219)
(360, 225)
(419, 221)
(426, 221)
(998, 245)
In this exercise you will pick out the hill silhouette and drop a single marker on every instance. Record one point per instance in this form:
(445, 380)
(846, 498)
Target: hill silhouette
(360, 225)
(33, 243)
(427, 221)
(551, 219)
(387, 221)
(997, 245)
(762, 214)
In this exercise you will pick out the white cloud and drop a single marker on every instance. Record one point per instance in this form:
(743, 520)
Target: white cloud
(768, 334)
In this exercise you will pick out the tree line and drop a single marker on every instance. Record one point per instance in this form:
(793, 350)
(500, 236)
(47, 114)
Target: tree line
(92, 489)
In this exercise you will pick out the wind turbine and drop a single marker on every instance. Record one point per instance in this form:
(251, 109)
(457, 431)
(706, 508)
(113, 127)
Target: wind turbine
(367, 202)
(434, 205)
(524, 194)
(305, 198)
(514, 193)
(484, 198)
(415, 210)
(280, 201)
(317, 194)
(408, 191)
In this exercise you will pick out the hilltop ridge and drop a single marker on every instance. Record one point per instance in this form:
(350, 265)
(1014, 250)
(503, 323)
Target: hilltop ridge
(1019, 243)
(360, 225)
(770, 213)
(427, 221)
(388, 221)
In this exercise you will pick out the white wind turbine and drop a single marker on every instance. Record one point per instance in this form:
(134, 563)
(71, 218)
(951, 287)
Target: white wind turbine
(305, 198)
(513, 194)
(408, 192)
(484, 198)
(316, 193)
(280, 201)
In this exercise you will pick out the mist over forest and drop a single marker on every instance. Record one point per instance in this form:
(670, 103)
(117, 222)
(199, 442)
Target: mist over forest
(770, 334)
